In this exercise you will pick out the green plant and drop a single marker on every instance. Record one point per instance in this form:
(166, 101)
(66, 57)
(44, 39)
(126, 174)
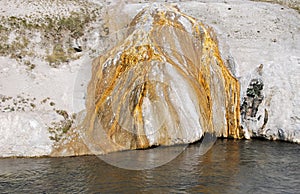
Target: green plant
(52, 29)
(30, 66)
(57, 56)
(58, 130)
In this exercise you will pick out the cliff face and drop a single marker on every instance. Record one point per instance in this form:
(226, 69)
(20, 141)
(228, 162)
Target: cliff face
(46, 52)
(165, 84)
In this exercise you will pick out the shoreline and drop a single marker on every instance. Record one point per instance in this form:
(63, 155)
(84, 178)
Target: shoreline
(43, 79)
(197, 142)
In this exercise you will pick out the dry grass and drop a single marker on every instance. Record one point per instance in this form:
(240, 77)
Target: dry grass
(55, 31)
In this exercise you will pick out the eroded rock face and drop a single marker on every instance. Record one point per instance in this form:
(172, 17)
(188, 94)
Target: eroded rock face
(165, 84)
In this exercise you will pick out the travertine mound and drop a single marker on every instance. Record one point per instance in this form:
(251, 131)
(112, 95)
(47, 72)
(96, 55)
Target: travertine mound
(165, 84)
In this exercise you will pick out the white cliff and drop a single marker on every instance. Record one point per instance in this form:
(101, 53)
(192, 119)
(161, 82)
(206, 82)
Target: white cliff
(43, 77)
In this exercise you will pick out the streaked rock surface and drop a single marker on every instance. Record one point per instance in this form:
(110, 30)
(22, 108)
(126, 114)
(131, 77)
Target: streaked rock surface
(165, 84)
(263, 41)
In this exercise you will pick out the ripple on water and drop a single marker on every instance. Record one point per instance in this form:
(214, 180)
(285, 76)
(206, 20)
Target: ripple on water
(229, 167)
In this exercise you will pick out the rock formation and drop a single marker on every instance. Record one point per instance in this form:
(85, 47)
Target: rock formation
(38, 57)
(164, 84)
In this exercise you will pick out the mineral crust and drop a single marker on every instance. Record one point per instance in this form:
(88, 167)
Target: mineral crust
(164, 84)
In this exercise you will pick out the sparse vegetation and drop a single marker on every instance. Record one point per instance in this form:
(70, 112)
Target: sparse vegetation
(30, 66)
(58, 130)
(57, 56)
(45, 100)
(19, 103)
(17, 35)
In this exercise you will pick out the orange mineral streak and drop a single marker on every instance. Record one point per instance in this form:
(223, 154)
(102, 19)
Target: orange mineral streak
(130, 62)
(232, 87)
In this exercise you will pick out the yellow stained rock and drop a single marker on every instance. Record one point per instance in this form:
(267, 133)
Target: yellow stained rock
(164, 84)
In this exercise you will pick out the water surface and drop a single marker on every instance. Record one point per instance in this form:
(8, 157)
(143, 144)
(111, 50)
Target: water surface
(229, 167)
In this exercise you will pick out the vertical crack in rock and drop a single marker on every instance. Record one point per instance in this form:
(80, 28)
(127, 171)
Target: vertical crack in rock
(164, 84)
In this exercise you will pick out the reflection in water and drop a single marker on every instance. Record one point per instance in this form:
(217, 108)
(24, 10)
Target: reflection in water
(229, 167)
(155, 157)
(143, 159)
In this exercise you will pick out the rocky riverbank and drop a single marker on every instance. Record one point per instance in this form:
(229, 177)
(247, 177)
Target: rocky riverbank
(47, 51)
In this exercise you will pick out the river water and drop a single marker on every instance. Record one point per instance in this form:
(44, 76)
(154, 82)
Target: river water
(229, 167)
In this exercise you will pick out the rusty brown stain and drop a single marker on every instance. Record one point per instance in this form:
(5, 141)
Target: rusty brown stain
(145, 52)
